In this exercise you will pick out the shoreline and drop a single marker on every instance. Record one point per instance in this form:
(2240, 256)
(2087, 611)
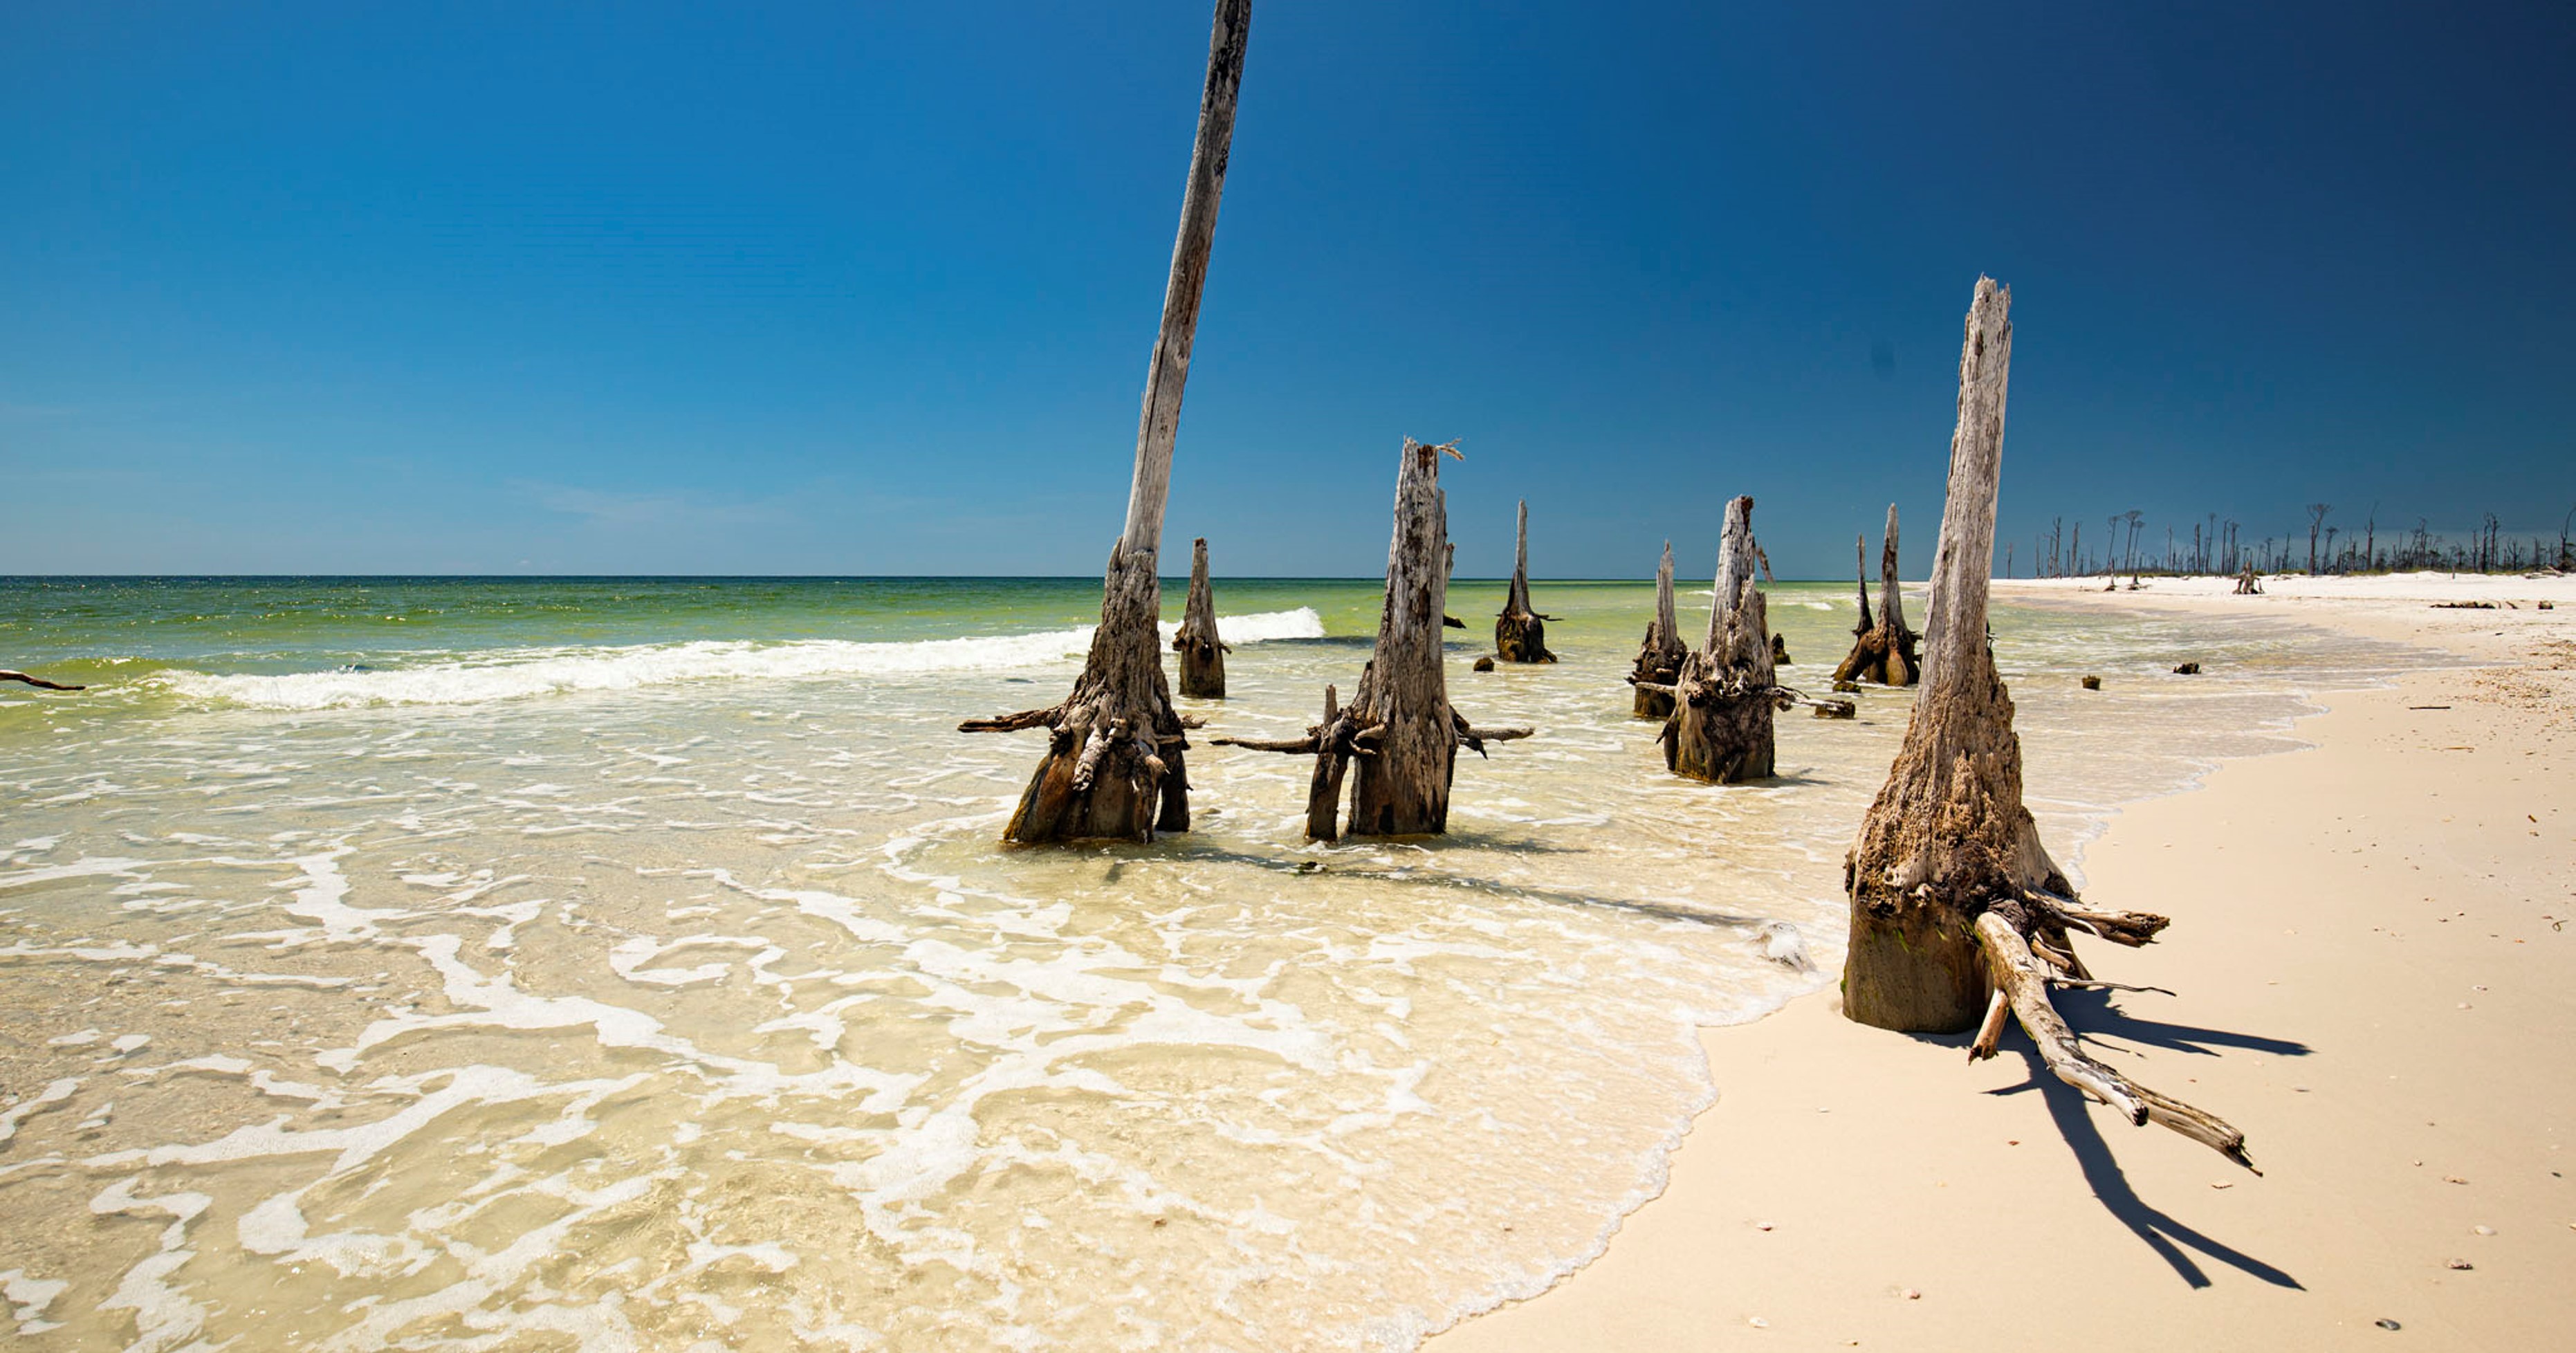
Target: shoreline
(2364, 951)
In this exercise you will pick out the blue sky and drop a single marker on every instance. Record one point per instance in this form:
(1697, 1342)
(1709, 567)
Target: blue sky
(870, 289)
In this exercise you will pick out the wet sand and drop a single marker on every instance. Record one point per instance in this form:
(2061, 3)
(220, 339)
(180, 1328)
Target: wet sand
(2374, 983)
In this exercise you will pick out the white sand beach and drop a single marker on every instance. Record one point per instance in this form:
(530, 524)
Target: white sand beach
(2374, 980)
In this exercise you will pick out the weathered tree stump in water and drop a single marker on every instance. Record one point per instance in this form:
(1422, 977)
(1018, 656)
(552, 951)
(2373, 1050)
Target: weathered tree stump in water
(1113, 763)
(1883, 652)
(1720, 727)
(1780, 651)
(1520, 633)
(1202, 653)
(1399, 728)
(1659, 658)
(1957, 912)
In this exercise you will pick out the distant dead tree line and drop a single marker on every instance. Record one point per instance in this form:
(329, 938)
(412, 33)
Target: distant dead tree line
(2220, 547)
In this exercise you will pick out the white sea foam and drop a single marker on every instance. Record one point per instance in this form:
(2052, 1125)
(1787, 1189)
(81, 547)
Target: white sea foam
(559, 671)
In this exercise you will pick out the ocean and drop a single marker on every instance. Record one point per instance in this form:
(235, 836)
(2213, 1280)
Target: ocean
(617, 963)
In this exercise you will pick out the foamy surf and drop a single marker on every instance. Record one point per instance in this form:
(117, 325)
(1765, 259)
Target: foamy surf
(527, 673)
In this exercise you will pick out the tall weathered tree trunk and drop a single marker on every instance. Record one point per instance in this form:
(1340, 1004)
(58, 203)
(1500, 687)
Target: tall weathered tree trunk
(1860, 565)
(1399, 728)
(1520, 633)
(1113, 764)
(1202, 652)
(1720, 727)
(1884, 652)
(1659, 658)
(1957, 911)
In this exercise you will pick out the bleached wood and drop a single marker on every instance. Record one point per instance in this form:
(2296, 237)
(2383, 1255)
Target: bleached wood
(1720, 729)
(1659, 657)
(1201, 651)
(1520, 632)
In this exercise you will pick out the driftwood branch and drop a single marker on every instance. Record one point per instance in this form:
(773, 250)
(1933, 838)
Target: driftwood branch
(1013, 723)
(39, 682)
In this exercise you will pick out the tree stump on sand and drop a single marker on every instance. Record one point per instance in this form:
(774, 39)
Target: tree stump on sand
(1957, 913)
(1659, 658)
(2248, 584)
(1202, 653)
(1883, 652)
(1399, 728)
(1720, 727)
(1113, 763)
(1520, 634)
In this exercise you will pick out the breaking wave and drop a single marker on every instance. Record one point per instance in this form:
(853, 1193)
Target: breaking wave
(525, 673)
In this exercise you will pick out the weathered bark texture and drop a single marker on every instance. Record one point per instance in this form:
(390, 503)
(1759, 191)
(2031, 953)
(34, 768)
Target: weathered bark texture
(1659, 658)
(1520, 633)
(1720, 727)
(1113, 764)
(1953, 897)
(1399, 728)
(1202, 652)
(1883, 652)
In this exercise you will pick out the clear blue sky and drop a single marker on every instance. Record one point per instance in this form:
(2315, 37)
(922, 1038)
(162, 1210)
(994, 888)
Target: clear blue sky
(870, 289)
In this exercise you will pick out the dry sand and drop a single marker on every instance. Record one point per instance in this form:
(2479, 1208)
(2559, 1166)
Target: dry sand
(2373, 983)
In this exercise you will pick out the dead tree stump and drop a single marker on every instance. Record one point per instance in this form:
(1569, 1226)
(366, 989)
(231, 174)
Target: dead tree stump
(1883, 652)
(1957, 911)
(1520, 633)
(1202, 653)
(1113, 762)
(2248, 584)
(1399, 729)
(1720, 727)
(1659, 658)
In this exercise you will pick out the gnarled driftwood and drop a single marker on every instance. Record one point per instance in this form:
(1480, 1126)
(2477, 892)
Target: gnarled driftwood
(1113, 763)
(1957, 911)
(1399, 728)
(1659, 657)
(1720, 727)
(1883, 652)
(1520, 633)
(1201, 652)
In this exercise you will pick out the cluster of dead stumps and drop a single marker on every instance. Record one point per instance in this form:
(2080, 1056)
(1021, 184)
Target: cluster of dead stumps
(1958, 915)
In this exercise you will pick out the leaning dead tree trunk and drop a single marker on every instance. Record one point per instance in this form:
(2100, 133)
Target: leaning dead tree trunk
(1399, 729)
(1957, 912)
(1113, 764)
(1720, 727)
(1884, 652)
(1659, 658)
(1520, 633)
(1202, 652)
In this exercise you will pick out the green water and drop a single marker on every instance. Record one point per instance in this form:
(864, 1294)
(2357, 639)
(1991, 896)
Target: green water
(632, 963)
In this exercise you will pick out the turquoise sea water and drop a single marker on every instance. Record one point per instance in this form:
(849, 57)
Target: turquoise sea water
(629, 963)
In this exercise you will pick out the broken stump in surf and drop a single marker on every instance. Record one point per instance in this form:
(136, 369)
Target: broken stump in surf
(1659, 657)
(1720, 729)
(1399, 737)
(1958, 915)
(1201, 652)
(1883, 652)
(1113, 768)
(1520, 633)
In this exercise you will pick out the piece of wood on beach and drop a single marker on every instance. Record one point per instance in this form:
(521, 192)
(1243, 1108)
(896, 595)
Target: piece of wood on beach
(1113, 767)
(1399, 729)
(1520, 632)
(1883, 652)
(39, 682)
(1201, 652)
(1659, 657)
(1957, 911)
(1720, 729)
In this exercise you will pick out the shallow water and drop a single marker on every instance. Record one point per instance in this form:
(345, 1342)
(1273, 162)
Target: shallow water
(630, 964)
